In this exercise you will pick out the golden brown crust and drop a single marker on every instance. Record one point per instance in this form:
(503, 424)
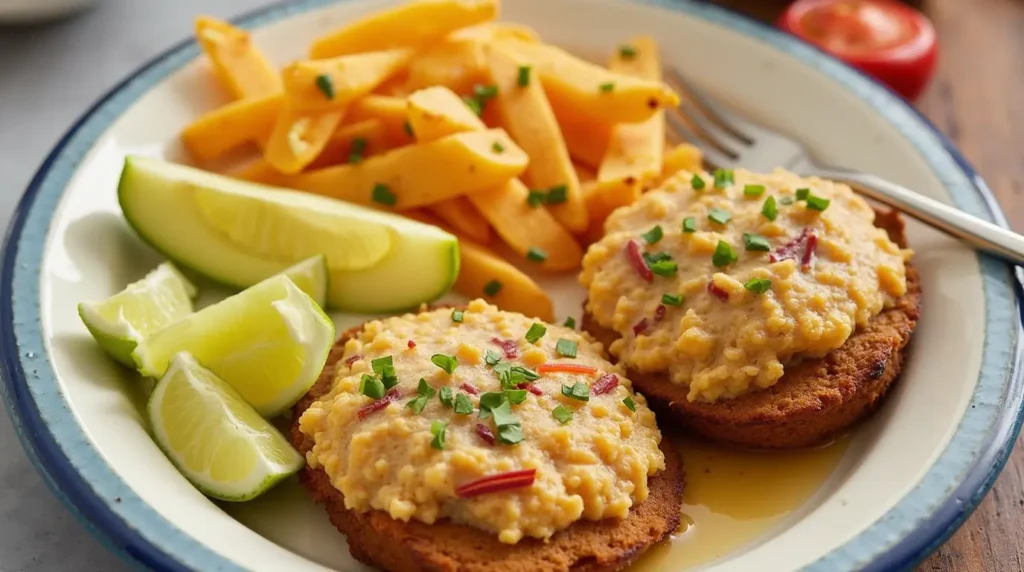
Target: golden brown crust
(586, 546)
(816, 400)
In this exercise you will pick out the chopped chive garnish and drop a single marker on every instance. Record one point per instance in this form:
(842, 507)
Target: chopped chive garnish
(383, 195)
(570, 322)
(562, 414)
(753, 190)
(325, 85)
(536, 198)
(535, 254)
(497, 147)
(446, 396)
(721, 216)
(697, 183)
(565, 348)
(817, 203)
(485, 92)
(510, 434)
(535, 333)
(724, 254)
(445, 362)
(457, 315)
(802, 194)
(492, 288)
(665, 268)
(463, 405)
(606, 87)
(385, 368)
(473, 104)
(786, 200)
(489, 401)
(371, 387)
(509, 430)
(558, 195)
(656, 257)
(769, 210)
(689, 224)
(629, 403)
(758, 285)
(407, 127)
(627, 52)
(580, 391)
(756, 242)
(423, 394)
(723, 178)
(654, 235)
(438, 429)
(355, 155)
(524, 76)
(516, 396)
(492, 357)
(672, 299)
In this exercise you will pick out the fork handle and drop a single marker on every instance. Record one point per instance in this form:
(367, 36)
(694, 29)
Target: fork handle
(974, 231)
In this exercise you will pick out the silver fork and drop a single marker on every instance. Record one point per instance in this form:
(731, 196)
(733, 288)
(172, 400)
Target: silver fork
(730, 141)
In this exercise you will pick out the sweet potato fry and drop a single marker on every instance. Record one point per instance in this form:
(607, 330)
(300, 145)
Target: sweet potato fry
(231, 126)
(333, 84)
(483, 274)
(682, 157)
(298, 137)
(243, 70)
(461, 215)
(392, 112)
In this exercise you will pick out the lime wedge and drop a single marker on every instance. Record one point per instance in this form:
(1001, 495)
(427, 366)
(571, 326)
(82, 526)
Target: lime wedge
(216, 439)
(269, 342)
(310, 276)
(240, 233)
(122, 321)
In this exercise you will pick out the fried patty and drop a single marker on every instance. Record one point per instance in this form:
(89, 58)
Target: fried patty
(816, 400)
(586, 546)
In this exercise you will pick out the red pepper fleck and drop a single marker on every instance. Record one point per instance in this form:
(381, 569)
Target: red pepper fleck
(636, 258)
(640, 327)
(801, 248)
(499, 482)
(366, 410)
(531, 388)
(565, 368)
(659, 313)
(412, 344)
(469, 388)
(717, 292)
(508, 346)
(353, 360)
(485, 433)
(809, 250)
(604, 384)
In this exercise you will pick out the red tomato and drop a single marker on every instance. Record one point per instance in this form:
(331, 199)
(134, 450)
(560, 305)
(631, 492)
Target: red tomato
(885, 39)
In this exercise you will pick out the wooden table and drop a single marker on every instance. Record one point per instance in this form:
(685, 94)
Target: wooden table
(976, 99)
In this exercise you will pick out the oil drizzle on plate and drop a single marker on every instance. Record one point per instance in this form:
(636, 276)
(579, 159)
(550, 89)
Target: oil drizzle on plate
(733, 498)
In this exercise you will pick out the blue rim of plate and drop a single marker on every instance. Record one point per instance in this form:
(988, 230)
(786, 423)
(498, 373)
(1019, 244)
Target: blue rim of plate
(76, 473)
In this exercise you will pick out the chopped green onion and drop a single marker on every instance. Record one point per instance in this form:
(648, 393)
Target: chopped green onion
(753, 190)
(423, 394)
(802, 194)
(769, 210)
(355, 154)
(524, 76)
(565, 348)
(383, 195)
(485, 92)
(463, 404)
(723, 178)
(570, 322)
(672, 299)
(580, 391)
(492, 288)
(516, 396)
(535, 254)
(627, 52)
(689, 224)
(786, 200)
(562, 414)
(654, 235)
(758, 285)
(490, 400)
(756, 242)
(535, 333)
(817, 203)
(492, 357)
(457, 315)
(371, 387)
(558, 195)
(497, 147)
(510, 434)
(509, 430)
(724, 254)
(385, 368)
(446, 396)
(654, 258)
(697, 183)
(473, 104)
(325, 85)
(721, 216)
(536, 198)
(665, 268)
(437, 429)
(445, 362)
(407, 127)
(606, 87)
(629, 403)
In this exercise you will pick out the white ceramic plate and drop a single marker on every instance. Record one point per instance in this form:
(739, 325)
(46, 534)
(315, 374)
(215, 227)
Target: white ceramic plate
(907, 480)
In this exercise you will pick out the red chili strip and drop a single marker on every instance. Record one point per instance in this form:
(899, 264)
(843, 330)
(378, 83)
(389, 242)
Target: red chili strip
(353, 359)
(412, 344)
(367, 410)
(640, 327)
(469, 388)
(604, 384)
(659, 313)
(508, 346)
(565, 368)
(809, 250)
(531, 388)
(485, 433)
(499, 482)
(717, 292)
(636, 258)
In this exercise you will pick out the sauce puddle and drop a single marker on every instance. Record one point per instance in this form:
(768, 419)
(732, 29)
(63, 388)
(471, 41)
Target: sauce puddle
(734, 497)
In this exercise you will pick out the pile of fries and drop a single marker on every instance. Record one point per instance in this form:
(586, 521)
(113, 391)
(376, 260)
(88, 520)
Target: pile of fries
(437, 111)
